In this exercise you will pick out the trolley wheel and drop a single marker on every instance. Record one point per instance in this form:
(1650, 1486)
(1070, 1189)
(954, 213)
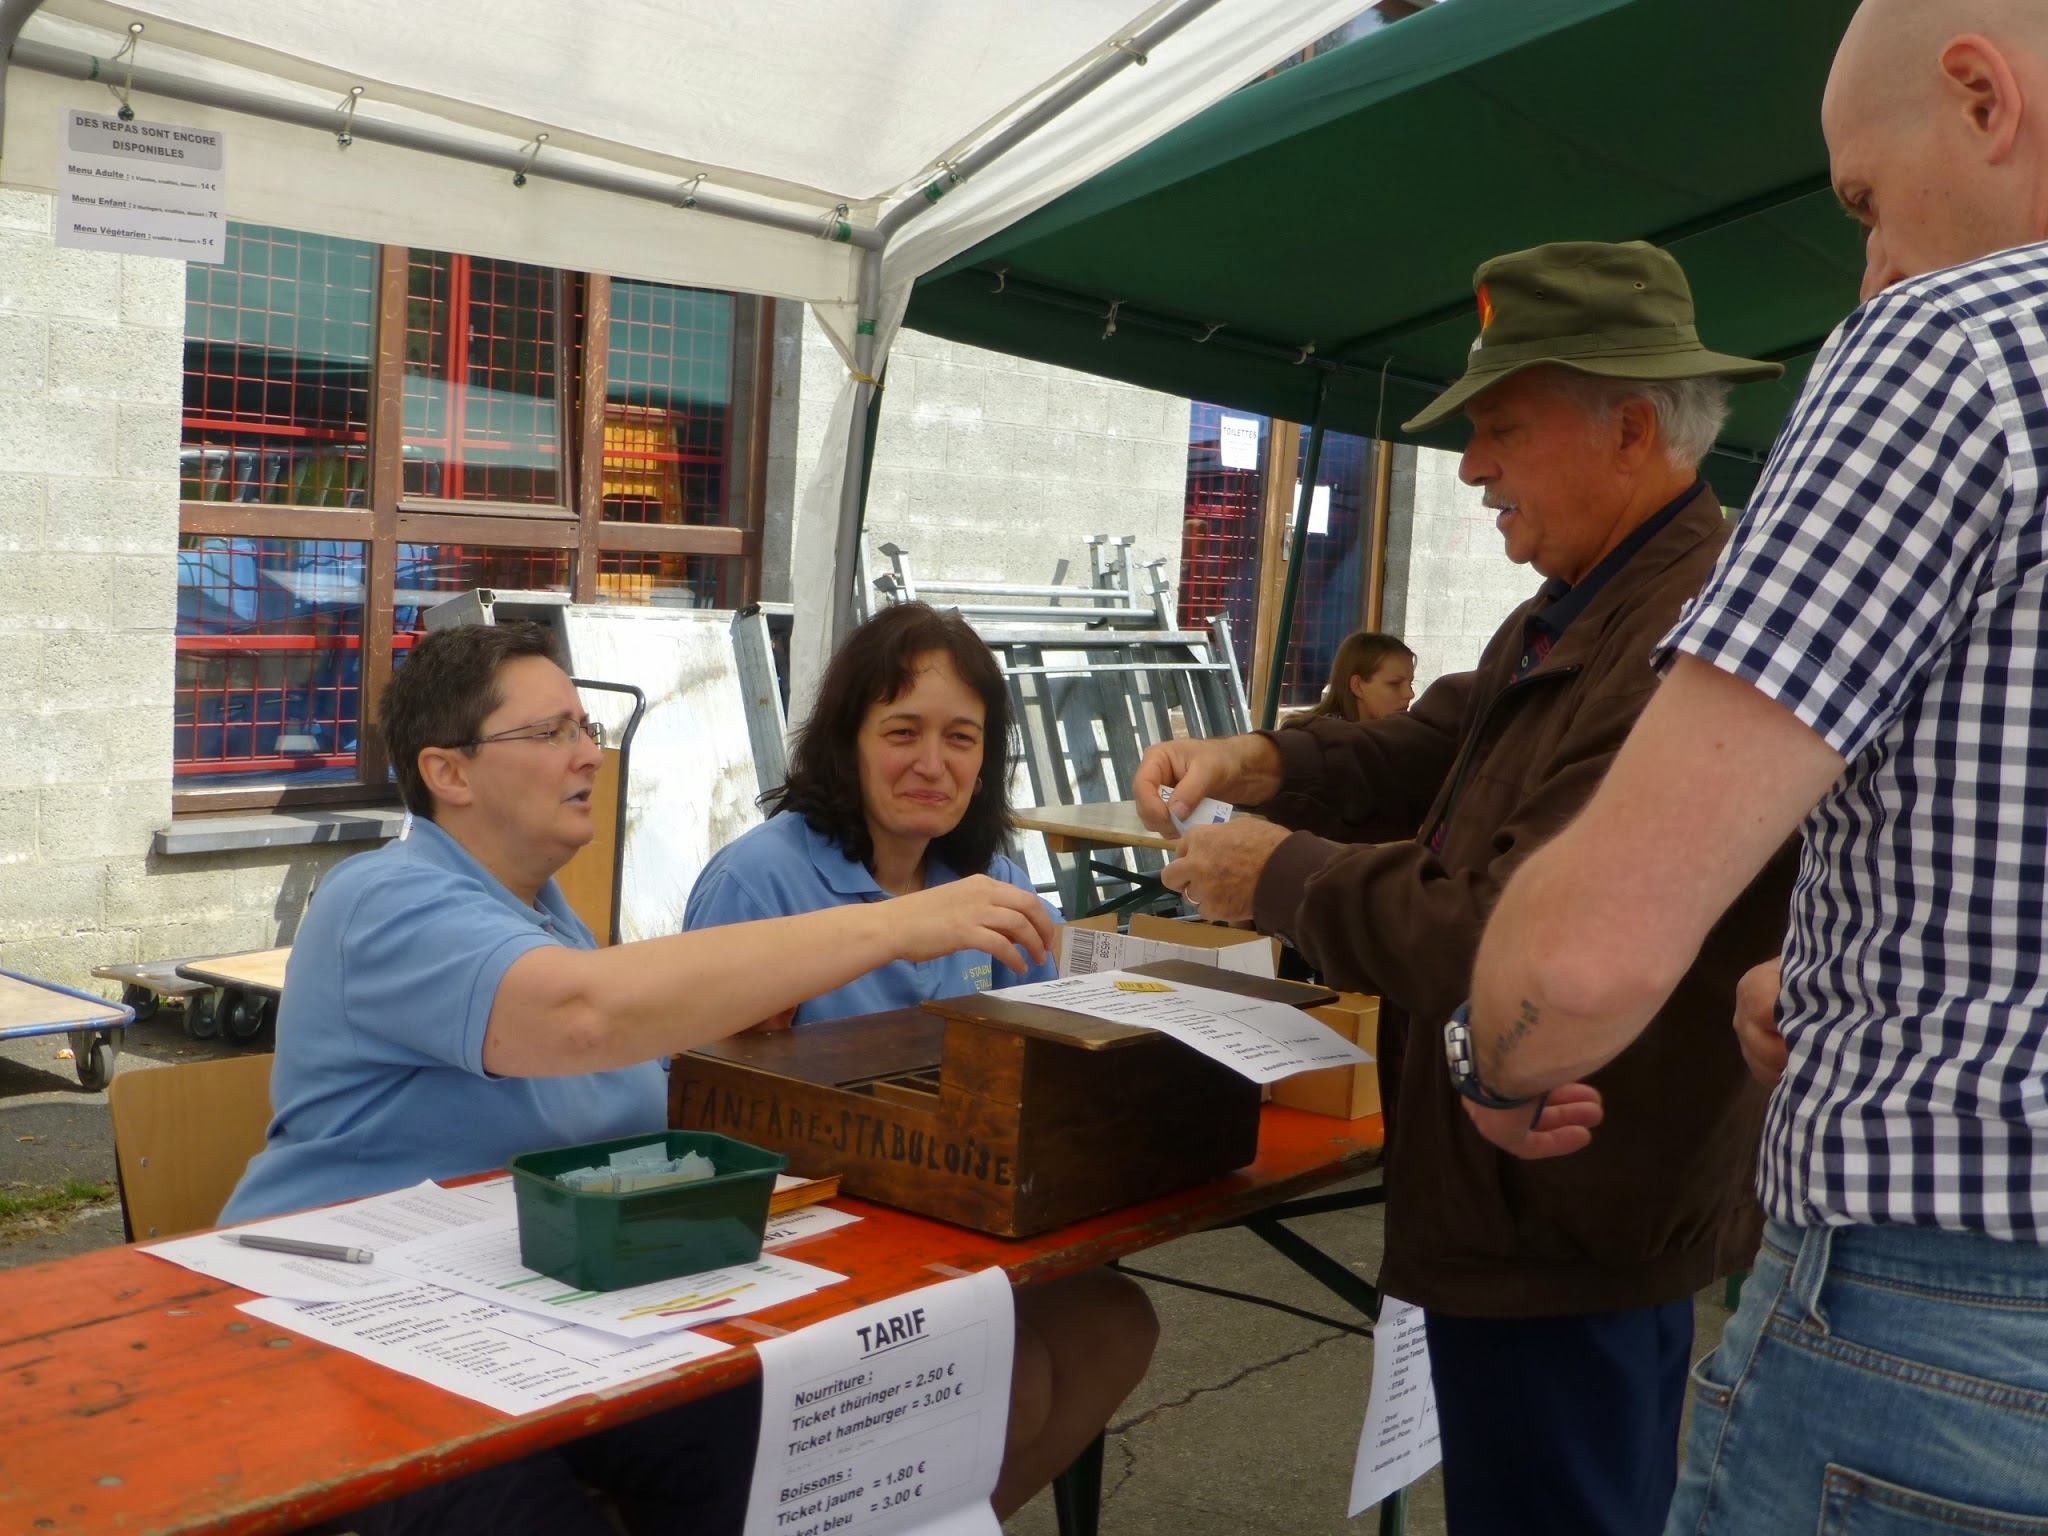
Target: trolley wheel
(142, 1000)
(241, 1015)
(265, 1038)
(92, 1054)
(202, 1015)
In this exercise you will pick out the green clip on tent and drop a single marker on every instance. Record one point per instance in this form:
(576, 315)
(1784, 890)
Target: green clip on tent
(1342, 205)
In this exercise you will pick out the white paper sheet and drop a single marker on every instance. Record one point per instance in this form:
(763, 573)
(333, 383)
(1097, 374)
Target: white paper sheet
(140, 188)
(1399, 1442)
(478, 1349)
(1263, 1041)
(378, 1223)
(1084, 951)
(889, 1419)
(805, 1221)
(483, 1261)
(1237, 440)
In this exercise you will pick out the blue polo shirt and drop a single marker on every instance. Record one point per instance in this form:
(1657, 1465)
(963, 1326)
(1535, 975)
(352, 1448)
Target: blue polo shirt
(783, 868)
(379, 1079)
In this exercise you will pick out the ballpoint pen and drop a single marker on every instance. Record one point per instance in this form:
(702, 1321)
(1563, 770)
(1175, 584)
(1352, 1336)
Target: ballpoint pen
(303, 1249)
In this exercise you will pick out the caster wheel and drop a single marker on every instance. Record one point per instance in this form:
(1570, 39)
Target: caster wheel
(142, 1000)
(202, 1015)
(241, 1016)
(92, 1054)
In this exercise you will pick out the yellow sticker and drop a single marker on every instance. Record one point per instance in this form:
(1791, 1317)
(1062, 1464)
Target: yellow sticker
(1143, 986)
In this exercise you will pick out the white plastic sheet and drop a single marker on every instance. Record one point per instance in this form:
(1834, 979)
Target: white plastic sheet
(799, 105)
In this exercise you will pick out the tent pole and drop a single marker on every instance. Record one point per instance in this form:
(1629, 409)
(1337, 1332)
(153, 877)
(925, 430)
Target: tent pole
(844, 605)
(1297, 552)
(1382, 509)
(70, 65)
(14, 15)
(1124, 55)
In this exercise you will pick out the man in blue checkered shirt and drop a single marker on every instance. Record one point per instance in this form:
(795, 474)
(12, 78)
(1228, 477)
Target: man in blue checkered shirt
(1869, 665)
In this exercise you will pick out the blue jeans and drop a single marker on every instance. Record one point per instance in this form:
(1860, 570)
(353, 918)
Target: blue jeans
(1876, 1381)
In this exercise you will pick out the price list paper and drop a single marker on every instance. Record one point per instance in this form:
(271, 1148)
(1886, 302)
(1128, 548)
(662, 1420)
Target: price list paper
(1259, 1040)
(148, 189)
(890, 1419)
(1400, 1441)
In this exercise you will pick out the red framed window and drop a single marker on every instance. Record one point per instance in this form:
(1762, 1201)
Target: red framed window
(483, 381)
(277, 371)
(311, 546)
(269, 658)
(1219, 545)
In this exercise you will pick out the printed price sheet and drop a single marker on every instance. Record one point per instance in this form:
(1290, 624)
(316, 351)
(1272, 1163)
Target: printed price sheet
(479, 1350)
(1399, 1442)
(483, 1261)
(376, 1223)
(889, 1419)
(145, 189)
(1263, 1041)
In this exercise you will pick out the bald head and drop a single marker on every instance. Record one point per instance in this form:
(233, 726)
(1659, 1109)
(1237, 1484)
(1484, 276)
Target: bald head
(1931, 143)
(1889, 60)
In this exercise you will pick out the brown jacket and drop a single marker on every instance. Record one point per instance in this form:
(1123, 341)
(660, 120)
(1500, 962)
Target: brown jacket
(1661, 1203)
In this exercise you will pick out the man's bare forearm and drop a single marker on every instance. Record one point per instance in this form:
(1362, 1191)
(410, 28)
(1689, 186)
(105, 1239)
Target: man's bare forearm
(1594, 932)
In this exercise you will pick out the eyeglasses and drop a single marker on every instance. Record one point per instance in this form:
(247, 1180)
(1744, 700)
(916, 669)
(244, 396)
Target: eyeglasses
(560, 732)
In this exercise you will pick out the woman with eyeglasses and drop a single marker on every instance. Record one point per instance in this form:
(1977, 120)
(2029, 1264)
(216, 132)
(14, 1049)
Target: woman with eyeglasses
(444, 1009)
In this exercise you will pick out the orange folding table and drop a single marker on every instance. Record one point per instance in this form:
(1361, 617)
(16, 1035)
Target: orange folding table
(134, 1396)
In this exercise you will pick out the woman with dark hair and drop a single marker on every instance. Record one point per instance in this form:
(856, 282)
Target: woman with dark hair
(1372, 677)
(899, 782)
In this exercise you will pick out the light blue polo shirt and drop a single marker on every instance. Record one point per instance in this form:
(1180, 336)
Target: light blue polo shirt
(782, 868)
(379, 1080)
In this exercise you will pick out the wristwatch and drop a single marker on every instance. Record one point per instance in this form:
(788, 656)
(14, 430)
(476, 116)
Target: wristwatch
(1464, 1068)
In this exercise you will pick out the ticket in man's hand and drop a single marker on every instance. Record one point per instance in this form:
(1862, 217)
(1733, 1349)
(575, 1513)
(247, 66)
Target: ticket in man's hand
(1210, 813)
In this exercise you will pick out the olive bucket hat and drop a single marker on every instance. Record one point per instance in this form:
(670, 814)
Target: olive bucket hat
(1621, 311)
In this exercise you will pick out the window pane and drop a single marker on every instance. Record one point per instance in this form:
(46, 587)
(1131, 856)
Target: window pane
(482, 421)
(431, 573)
(1332, 600)
(277, 370)
(668, 428)
(1219, 546)
(268, 642)
(676, 581)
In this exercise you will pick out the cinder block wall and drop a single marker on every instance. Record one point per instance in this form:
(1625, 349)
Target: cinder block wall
(1449, 584)
(90, 388)
(988, 467)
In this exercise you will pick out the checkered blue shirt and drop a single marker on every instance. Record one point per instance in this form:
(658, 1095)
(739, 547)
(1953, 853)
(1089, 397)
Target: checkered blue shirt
(1889, 585)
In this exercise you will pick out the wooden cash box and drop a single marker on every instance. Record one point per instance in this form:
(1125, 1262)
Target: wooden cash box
(1006, 1117)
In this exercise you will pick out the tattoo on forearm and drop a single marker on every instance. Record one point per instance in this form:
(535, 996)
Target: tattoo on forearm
(1512, 1036)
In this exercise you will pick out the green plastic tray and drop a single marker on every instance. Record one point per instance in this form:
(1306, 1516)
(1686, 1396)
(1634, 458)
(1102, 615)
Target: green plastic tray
(605, 1242)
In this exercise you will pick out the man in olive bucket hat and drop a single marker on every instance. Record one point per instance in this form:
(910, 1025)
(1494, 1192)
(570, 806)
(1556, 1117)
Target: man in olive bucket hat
(1558, 1294)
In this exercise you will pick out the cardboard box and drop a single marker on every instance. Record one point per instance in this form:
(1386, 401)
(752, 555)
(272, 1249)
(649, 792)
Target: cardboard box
(1344, 1092)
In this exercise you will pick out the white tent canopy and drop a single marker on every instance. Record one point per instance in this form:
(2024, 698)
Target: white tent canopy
(784, 147)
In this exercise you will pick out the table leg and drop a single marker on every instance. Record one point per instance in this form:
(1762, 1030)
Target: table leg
(1083, 897)
(1077, 1493)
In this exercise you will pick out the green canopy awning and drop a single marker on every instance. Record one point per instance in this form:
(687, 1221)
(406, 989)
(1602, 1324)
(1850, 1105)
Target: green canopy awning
(1343, 205)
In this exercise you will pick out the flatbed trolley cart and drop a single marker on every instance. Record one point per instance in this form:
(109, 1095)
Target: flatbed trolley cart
(145, 985)
(250, 985)
(31, 1007)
